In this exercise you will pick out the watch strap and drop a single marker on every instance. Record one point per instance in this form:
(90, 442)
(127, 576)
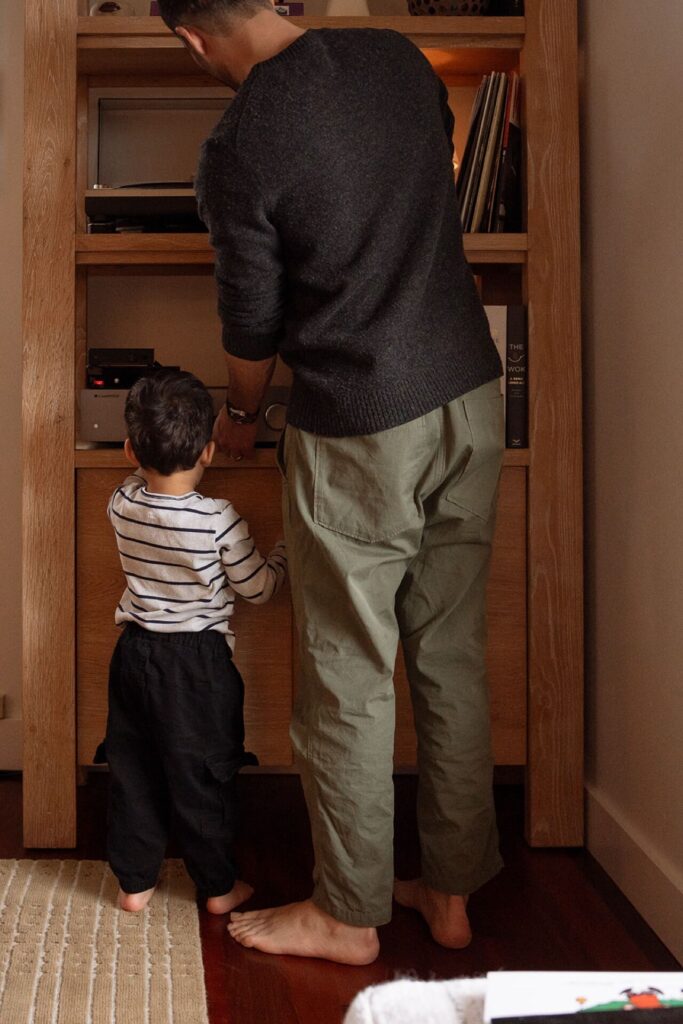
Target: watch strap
(241, 416)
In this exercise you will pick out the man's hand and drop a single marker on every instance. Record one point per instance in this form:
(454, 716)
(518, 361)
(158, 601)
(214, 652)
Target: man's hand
(248, 382)
(234, 439)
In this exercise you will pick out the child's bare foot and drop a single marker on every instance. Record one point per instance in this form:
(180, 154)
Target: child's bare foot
(240, 892)
(134, 901)
(302, 929)
(446, 915)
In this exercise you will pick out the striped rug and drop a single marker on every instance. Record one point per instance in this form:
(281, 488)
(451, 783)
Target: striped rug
(68, 955)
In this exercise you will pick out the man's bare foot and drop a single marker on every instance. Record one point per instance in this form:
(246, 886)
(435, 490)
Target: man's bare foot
(240, 892)
(446, 915)
(302, 929)
(134, 901)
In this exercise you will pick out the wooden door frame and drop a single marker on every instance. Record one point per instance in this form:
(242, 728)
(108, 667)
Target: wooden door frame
(549, 68)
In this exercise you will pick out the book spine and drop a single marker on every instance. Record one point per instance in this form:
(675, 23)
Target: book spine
(465, 166)
(500, 151)
(497, 318)
(478, 152)
(507, 216)
(492, 143)
(516, 380)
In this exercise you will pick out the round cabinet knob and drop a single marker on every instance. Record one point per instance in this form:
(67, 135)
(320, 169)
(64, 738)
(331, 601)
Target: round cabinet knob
(276, 416)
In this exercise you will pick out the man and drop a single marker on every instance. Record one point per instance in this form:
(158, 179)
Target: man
(328, 191)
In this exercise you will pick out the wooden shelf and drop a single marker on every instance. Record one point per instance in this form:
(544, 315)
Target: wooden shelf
(143, 249)
(194, 249)
(113, 458)
(140, 193)
(144, 46)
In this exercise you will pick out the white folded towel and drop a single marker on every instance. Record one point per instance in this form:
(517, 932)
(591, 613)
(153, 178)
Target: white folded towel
(460, 1001)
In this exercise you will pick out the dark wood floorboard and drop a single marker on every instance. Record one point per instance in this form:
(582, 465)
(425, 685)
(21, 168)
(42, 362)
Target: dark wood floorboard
(548, 909)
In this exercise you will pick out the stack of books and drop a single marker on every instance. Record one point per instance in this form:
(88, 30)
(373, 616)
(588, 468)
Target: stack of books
(488, 184)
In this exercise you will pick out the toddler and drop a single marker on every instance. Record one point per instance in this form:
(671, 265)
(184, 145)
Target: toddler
(175, 731)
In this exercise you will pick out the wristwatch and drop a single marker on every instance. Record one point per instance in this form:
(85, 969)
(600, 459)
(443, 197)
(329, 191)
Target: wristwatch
(240, 416)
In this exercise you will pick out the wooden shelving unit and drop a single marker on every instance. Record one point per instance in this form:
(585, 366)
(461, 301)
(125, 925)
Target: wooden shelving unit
(70, 571)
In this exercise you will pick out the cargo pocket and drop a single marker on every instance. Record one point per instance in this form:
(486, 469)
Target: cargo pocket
(364, 486)
(280, 453)
(220, 772)
(477, 485)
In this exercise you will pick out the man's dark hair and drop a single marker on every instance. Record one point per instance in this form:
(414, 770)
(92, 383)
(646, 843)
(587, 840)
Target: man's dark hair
(211, 15)
(170, 418)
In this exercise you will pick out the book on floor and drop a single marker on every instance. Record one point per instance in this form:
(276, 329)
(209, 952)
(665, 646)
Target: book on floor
(517, 995)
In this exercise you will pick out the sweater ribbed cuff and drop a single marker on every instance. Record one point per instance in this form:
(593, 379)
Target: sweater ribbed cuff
(250, 346)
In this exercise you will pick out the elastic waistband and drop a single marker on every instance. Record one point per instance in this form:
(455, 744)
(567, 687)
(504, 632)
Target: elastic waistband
(206, 638)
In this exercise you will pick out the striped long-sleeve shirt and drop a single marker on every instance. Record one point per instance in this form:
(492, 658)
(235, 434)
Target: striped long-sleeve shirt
(185, 558)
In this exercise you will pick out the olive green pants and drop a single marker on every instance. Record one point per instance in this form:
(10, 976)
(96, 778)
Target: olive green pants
(389, 539)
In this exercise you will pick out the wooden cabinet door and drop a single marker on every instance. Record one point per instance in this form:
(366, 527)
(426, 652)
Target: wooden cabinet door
(506, 656)
(264, 633)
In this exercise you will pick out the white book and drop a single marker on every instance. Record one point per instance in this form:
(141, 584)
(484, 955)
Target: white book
(498, 325)
(543, 993)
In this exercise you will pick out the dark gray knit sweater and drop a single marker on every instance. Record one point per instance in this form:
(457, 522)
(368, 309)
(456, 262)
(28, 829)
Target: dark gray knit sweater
(328, 191)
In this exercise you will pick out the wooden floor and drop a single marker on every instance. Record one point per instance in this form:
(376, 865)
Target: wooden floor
(548, 909)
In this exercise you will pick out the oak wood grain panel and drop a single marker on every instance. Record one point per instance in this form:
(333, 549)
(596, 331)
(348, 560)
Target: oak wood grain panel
(48, 424)
(507, 644)
(81, 280)
(508, 33)
(190, 249)
(460, 32)
(263, 653)
(143, 46)
(555, 780)
(113, 458)
(264, 634)
(81, 339)
(82, 86)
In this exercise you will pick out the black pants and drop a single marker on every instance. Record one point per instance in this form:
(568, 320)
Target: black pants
(175, 742)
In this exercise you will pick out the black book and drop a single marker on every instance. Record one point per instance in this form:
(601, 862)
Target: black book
(483, 129)
(497, 146)
(510, 92)
(516, 380)
(508, 202)
(466, 162)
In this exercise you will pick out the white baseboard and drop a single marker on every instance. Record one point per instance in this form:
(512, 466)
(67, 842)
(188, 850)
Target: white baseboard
(654, 887)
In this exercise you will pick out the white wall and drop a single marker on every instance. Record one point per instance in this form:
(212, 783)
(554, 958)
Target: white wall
(11, 133)
(632, 155)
